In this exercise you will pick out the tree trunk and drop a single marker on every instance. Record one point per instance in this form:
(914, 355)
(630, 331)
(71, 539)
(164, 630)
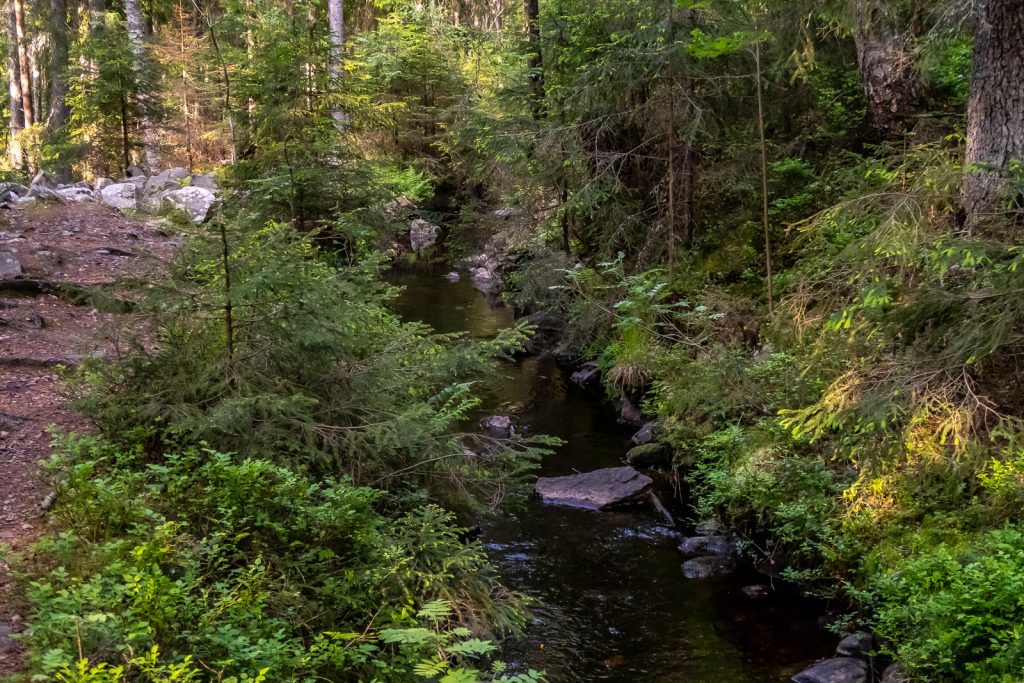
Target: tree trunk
(892, 85)
(136, 35)
(17, 122)
(336, 53)
(97, 10)
(995, 113)
(534, 62)
(24, 69)
(57, 117)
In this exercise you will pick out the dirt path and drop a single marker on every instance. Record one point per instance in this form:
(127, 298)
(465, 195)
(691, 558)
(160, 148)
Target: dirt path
(66, 252)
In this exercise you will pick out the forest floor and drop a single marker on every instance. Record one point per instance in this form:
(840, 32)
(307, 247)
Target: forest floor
(68, 253)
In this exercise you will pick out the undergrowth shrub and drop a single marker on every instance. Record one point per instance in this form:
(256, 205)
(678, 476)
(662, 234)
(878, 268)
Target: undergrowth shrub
(247, 568)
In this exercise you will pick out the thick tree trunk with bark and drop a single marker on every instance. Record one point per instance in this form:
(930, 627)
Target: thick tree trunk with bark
(995, 116)
(534, 62)
(136, 26)
(24, 68)
(17, 122)
(336, 56)
(892, 85)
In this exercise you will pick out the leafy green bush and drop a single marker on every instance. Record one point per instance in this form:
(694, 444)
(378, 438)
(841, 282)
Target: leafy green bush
(955, 611)
(240, 565)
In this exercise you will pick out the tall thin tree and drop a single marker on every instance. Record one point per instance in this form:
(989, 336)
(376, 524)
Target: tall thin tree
(136, 35)
(336, 53)
(17, 119)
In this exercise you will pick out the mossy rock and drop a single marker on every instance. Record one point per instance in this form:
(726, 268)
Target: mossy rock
(656, 455)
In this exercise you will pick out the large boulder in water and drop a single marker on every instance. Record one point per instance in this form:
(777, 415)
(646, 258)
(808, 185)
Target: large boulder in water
(499, 426)
(650, 455)
(194, 202)
(597, 490)
(836, 670)
(120, 196)
(423, 234)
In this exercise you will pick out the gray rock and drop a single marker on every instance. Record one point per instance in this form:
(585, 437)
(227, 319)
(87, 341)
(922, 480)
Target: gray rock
(134, 171)
(499, 426)
(629, 413)
(423, 234)
(709, 527)
(650, 455)
(860, 645)
(161, 184)
(837, 670)
(205, 181)
(17, 189)
(708, 545)
(484, 279)
(9, 263)
(75, 193)
(708, 567)
(647, 434)
(597, 490)
(43, 181)
(587, 376)
(503, 214)
(195, 202)
(453, 277)
(894, 673)
(103, 182)
(120, 196)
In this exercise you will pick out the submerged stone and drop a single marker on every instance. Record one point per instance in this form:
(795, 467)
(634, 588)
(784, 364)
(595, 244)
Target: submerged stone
(597, 490)
(708, 567)
(836, 670)
(708, 545)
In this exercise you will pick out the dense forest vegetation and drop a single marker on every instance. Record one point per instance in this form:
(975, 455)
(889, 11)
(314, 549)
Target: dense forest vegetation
(785, 229)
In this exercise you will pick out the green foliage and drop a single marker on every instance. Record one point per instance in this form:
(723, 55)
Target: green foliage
(955, 610)
(313, 371)
(235, 563)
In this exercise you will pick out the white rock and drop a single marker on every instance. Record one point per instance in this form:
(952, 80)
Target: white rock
(75, 194)
(195, 202)
(120, 196)
(103, 182)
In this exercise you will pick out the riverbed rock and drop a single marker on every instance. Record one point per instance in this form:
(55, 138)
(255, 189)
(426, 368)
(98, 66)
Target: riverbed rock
(597, 490)
(588, 376)
(630, 413)
(708, 545)
(710, 527)
(453, 277)
(646, 434)
(423, 234)
(894, 673)
(650, 455)
(194, 202)
(499, 426)
(709, 566)
(9, 263)
(859, 645)
(835, 670)
(120, 196)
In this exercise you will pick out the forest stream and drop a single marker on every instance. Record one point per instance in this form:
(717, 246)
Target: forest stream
(611, 603)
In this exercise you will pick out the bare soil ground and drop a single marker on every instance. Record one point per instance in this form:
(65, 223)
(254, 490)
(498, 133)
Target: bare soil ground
(48, 321)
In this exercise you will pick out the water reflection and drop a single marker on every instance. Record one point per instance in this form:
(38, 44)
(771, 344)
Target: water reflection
(611, 602)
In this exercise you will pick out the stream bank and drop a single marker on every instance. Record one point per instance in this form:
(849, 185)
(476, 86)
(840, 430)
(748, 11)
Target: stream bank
(611, 601)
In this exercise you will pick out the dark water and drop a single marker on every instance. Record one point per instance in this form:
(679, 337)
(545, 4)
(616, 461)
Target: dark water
(611, 603)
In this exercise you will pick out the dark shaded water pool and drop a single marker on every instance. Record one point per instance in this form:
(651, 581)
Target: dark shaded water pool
(611, 603)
